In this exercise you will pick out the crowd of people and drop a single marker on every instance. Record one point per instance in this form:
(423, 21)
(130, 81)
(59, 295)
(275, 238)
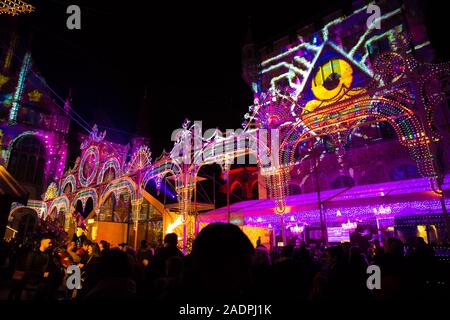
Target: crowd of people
(223, 265)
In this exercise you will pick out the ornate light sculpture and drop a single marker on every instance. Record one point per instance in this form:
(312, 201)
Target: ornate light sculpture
(141, 159)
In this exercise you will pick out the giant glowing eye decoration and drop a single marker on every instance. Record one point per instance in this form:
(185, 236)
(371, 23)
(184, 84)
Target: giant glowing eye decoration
(331, 78)
(332, 82)
(88, 166)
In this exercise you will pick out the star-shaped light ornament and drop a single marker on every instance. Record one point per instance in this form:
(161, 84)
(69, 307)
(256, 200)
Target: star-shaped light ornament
(15, 7)
(34, 96)
(3, 80)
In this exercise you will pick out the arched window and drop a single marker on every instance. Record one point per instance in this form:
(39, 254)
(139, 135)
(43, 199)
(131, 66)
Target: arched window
(27, 160)
(122, 210)
(107, 208)
(255, 191)
(67, 188)
(88, 207)
(61, 218)
(79, 206)
(109, 175)
(53, 214)
(375, 175)
(294, 189)
(404, 171)
(237, 194)
(342, 182)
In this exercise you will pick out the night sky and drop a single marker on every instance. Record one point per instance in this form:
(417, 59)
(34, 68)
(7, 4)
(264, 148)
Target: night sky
(186, 56)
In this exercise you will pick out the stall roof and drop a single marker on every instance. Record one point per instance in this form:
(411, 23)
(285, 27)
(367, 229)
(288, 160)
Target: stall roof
(345, 197)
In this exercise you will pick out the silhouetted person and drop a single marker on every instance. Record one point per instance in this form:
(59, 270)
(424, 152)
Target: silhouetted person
(75, 237)
(423, 251)
(144, 254)
(287, 277)
(82, 252)
(258, 242)
(306, 268)
(396, 276)
(166, 287)
(144, 261)
(221, 260)
(116, 278)
(358, 274)
(162, 254)
(332, 282)
(104, 246)
(40, 270)
(262, 274)
(90, 271)
(81, 240)
(422, 260)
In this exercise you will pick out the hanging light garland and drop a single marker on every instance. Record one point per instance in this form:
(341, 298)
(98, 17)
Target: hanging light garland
(15, 7)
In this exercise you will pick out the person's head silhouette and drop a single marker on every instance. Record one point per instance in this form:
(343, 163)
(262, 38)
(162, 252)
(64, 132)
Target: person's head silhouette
(221, 259)
(171, 240)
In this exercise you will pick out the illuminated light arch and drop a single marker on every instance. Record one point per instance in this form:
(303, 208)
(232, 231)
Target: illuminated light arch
(63, 203)
(111, 163)
(406, 124)
(162, 170)
(16, 215)
(254, 190)
(341, 117)
(253, 147)
(70, 179)
(254, 183)
(83, 196)
(91, 151)
(159, 178)
(430, 98)
(39, 206)
(60, 202)
(235, 184)
(119, 185)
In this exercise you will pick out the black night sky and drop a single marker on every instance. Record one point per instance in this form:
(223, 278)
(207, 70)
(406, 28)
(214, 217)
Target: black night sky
(186, 56)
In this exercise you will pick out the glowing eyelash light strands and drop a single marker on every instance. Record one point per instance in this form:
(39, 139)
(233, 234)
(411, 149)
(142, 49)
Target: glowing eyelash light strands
(19, 90)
